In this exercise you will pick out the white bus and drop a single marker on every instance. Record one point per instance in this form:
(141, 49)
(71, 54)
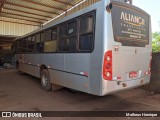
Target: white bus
(99, 50)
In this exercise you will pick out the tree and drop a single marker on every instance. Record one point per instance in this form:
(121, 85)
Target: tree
(156, 42)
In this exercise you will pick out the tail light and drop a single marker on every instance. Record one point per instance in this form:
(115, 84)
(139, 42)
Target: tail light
(107, 66)
(149, 69)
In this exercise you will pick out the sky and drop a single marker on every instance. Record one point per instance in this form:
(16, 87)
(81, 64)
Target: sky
(153, 8)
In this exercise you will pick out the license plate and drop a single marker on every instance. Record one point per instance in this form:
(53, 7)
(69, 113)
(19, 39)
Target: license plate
(132, 74)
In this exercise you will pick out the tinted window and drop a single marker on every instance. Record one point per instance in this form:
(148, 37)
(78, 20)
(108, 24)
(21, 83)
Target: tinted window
(72, 28)
(23, 50)
(31, 48)
(86, 38)
(54, 34)
(67, 44)
(23, 43)
(30, 44)
(16, 46)
(73, 35)
(48, 35)
(33, 39)
(86, 24)
(38, 38)
(86, 42)
(67, 40)
(39, 47)
(29, 40)
(42, 37)
(63, 31)
(22, 46)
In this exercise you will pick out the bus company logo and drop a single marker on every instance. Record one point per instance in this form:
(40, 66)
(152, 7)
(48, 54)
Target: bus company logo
(6, 114)
(132, 19)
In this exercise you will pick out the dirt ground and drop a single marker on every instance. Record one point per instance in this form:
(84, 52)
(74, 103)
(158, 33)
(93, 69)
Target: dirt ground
(23, 93)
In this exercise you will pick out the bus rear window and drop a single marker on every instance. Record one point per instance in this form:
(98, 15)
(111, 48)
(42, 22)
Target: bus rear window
(130, 25)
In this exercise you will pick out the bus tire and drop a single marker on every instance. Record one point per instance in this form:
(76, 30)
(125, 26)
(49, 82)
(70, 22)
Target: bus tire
(45, 80)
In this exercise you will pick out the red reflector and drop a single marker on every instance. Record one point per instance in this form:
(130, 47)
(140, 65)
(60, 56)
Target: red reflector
(86, 74)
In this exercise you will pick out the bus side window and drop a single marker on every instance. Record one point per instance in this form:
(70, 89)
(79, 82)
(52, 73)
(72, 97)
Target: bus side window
(54, 34)
(51, 44)
(54, 38)
(33, 39)
(16, 46)
(39, 44)
(39, 47)
(19, 46)
(23, 45)
(42, 37)
(29, 40)
(86, 36)
(48, 35)
(67, 43)
(31, 45)
(38, 38)
(62, 30)
(63, 42)
(72, 28)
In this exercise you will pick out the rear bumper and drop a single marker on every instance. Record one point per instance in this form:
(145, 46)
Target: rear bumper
(114, 86)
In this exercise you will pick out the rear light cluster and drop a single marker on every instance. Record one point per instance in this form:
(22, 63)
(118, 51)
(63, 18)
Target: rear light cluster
(149, 69)
(107, 66)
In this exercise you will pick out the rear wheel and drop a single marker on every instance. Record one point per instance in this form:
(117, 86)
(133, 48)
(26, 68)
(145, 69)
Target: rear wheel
(45, 80)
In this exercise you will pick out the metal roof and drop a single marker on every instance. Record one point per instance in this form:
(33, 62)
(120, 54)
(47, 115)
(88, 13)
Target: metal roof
(35, 11)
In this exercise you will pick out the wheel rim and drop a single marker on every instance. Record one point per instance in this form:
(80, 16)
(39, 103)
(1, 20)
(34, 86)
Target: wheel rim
(44, 79)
